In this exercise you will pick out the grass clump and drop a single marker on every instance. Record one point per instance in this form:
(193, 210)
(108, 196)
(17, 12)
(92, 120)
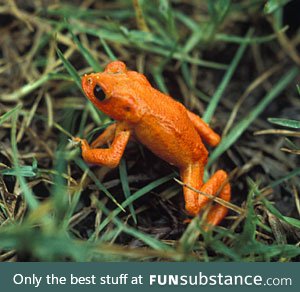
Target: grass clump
(234, 63)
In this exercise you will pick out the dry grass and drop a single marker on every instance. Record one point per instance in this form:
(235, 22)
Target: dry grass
(235, 64)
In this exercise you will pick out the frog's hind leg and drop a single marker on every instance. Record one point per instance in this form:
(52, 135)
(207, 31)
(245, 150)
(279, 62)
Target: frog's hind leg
(194, 202)
(217, 185)
(192, 176)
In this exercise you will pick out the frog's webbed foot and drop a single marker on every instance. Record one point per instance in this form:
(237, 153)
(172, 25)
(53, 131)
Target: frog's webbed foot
(217, 184)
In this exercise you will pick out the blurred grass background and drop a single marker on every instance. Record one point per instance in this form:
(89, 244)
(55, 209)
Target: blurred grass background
(235, 63)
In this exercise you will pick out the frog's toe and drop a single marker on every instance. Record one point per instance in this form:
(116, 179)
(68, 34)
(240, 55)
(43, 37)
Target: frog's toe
(76, 140)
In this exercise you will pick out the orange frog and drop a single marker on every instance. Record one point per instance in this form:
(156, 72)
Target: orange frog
(159, 122)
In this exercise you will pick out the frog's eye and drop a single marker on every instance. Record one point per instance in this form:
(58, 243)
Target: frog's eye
(99, 93)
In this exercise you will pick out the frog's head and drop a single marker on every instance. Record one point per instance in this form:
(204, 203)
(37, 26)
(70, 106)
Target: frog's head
(115, 91)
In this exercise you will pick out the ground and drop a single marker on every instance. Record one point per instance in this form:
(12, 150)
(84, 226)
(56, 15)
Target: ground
(235, 63)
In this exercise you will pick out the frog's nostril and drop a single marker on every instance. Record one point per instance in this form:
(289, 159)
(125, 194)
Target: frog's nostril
(90, 81)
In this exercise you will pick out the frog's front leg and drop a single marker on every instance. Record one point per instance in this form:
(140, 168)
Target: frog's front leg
(192, 176)
(107, 157)
(106, 137)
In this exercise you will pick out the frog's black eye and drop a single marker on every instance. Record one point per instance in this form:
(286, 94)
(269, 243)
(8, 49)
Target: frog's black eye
(99, 93)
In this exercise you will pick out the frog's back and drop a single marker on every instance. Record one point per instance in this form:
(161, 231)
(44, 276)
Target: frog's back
(168, 132)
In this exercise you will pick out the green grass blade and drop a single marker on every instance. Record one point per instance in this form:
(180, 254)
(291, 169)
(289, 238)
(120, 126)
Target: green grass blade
(240, 127)
(154, 243)
(137, 40)
(290, 144)
(76, 78)
(292, 221)
(29, 197)
(69, 67)
(167, 12)
(247, 237)
(226, 79)
(73, 11)
(272, 5)
(8, 114)
(190, 236)
(85, 53)
(291, 174)
(159, 80)
(25, 171)
(107, 49)
(221, 248)
(157, 71)
(187, 76)
(98, 129)
(101, 187)
(71, 209)
(285, 123)
(125, 187)
(27, 88)
(138, 194)
(59, 189)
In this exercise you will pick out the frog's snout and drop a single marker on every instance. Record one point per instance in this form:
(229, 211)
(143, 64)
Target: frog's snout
(87, 84)
(86, 80)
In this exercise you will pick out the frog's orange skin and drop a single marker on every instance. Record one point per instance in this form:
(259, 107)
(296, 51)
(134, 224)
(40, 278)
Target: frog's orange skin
(162, 124)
